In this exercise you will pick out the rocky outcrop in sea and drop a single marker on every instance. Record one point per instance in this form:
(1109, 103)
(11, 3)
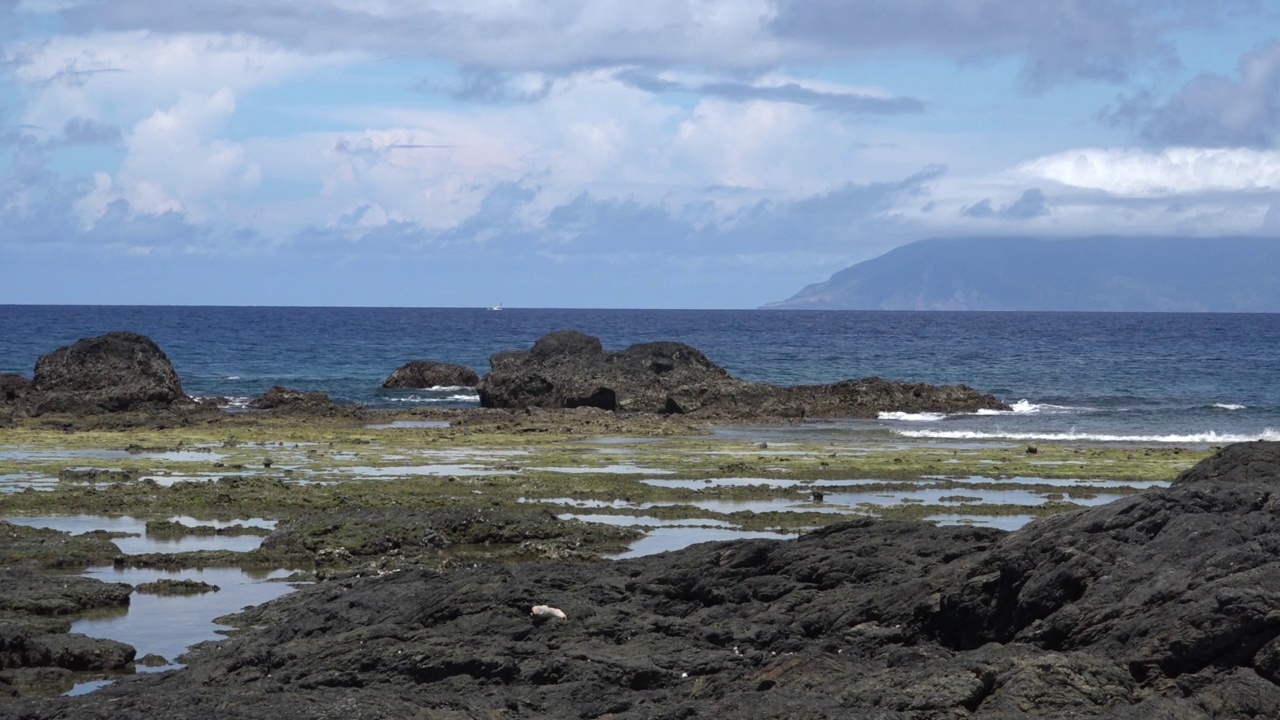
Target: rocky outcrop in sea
(425, 374)
(116, 372)
(1163, 604)
(567, 369)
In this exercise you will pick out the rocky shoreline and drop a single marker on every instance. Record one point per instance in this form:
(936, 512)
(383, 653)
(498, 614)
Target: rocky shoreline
(474, 595)
(1159, 605)
(123, 379)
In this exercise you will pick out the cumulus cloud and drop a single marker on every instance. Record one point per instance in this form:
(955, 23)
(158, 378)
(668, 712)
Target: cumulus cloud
(1181, 170)
(177, 163)
(119, 78)
(1212, 110)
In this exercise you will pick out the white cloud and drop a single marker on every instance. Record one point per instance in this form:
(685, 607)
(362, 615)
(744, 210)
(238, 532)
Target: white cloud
(1174, 171)
(119, 78)
(177, 163)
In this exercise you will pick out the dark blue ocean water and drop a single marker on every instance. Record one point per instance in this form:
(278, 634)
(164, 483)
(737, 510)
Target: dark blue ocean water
(1157, 377)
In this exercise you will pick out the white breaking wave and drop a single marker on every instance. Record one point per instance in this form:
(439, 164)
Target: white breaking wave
(449, 388)
(449, 398)
(1026, 407)
(1208, 438)
(912, 417)
(231, 377)
(240, 403)
(1228, 406)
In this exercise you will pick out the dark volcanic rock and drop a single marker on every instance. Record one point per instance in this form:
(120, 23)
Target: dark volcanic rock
(116, 372)
(38, 593)
(1161, 605)
(37, 653)
(421, 374)
(287, 401)
(22, 546)
(567, 369)
(22, 648)
(12, 387)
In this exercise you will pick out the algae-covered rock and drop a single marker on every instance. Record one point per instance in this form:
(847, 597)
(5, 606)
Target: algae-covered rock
(1162, 604)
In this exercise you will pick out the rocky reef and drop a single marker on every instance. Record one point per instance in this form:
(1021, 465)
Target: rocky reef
(1159, 605)
(567, 369)
(422, 374)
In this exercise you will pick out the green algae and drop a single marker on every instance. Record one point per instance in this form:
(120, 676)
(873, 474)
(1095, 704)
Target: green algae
(280, 467)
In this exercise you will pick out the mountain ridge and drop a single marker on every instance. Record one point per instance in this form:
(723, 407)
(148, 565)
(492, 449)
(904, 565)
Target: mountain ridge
(1100, 273)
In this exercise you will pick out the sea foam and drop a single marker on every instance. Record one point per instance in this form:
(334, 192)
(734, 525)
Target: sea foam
(1228, 406)
(912, 417)
(1205, 438)
(449, 398)
(1026, 407)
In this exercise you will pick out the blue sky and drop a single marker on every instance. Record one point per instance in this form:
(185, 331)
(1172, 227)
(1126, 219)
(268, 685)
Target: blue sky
(592, 153)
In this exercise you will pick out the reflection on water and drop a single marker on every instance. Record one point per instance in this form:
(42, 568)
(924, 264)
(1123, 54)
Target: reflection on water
(665, 539)
(999, 522)
(141, 543)
(411, 470)
(645, 520)
(61, 454)
(167, 625)
(85, 688)
(18, 482)
(620, 469)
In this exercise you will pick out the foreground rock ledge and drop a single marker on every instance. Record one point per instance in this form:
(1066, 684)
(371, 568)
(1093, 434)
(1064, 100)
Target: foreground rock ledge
(1162, 605)
(568, 369)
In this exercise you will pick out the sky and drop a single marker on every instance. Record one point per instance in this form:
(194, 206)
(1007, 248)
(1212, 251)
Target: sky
(600, 153)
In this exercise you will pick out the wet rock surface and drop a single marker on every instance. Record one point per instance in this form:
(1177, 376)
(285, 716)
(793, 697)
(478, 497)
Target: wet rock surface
(165, 586)
(29, 547)
(352, 536)
(423, 374)
(38, 654)
(567, 369)
(37, 594)
(1159, 605)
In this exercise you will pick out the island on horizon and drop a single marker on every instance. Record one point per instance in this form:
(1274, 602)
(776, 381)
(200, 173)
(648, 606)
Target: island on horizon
(1114, 274)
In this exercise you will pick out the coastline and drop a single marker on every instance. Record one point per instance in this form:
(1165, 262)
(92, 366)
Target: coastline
(394, 494)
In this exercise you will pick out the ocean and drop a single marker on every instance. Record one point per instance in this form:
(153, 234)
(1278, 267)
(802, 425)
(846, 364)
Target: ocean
(1102, 377)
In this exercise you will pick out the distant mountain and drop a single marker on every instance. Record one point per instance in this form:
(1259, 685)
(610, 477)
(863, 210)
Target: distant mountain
(1100, 273)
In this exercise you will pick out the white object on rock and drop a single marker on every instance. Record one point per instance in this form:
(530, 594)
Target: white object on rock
(546, 611)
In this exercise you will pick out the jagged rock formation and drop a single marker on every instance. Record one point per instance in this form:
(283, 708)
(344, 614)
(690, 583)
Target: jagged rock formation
(1159, 605)
(567, 369)
(424, 374)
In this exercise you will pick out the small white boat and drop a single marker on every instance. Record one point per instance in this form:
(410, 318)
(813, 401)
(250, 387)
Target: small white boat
(496, 307)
